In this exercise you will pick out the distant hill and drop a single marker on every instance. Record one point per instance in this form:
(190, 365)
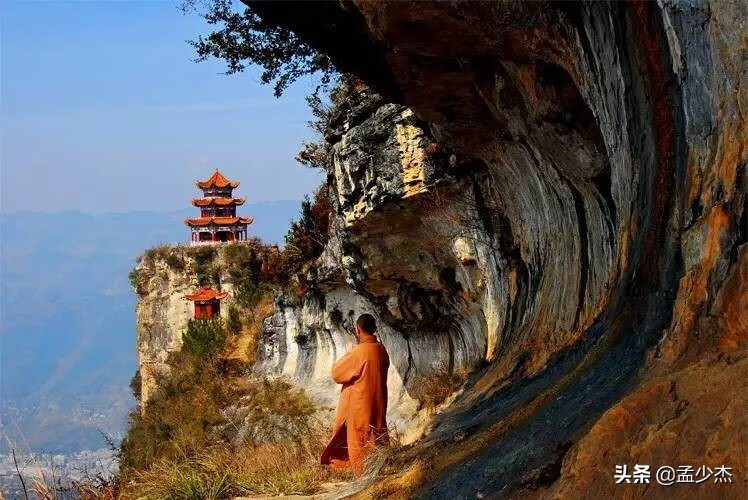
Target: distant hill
(67, 333)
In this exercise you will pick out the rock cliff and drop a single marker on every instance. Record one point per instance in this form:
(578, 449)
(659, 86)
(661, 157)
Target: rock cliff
(545, 201)
(543, 205)
(162, 279)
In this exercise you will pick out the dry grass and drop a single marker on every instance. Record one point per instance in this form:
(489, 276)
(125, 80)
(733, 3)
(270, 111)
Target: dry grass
(221, 472)
(48, 483)
(42, 488)
(246, 342)
(435, 390)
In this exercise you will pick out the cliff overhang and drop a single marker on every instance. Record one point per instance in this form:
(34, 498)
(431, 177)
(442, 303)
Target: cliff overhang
(550, 199)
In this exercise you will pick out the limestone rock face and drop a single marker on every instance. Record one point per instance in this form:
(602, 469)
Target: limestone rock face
(302, 342)
(547, 198)
(163, 279)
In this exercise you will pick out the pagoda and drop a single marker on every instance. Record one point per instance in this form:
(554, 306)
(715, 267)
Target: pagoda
(218, 220)
(207, 302)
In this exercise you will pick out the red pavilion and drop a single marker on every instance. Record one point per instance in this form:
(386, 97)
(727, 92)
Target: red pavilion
(207, 302)
(218, 220)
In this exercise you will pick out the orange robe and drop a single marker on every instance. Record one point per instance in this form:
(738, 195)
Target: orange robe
(361, 421)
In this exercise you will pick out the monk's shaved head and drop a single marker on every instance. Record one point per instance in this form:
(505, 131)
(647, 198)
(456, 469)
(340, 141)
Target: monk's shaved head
(367, 323)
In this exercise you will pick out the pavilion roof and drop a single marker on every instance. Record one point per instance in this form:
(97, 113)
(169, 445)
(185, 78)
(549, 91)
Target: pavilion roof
(221, 221)
(220, 202)
(217, 180)
(207, 294)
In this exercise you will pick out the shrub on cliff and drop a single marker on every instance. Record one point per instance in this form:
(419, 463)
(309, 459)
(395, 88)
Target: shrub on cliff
(182, 415)
(205, 268)
(307, 237)
(244, 265)
(136, 385)
(133, 278)
(234, 322)
(204, 337)
(318, 153)
(166, 253)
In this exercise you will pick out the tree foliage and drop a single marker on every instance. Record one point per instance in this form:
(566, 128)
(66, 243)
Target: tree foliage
(234, 323)
(242, 37)
(135, 385)
(318, 154)
(308, 235)
(204, 336)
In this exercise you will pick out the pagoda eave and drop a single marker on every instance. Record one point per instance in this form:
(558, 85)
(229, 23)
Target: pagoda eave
(206, 185)
(205, 294)
(219, 221)
(220, 202)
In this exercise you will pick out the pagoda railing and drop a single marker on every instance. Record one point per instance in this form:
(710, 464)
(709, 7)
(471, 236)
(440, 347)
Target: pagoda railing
(202, 243)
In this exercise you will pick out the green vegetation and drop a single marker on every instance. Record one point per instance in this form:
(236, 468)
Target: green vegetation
(205, 269)
(318, 153)
(204, 337)
(133, 277)
(175, 261)
(135, 385)
(172, 255)
(244, 267)
(307, 237)
(167, 253)
(234, 323)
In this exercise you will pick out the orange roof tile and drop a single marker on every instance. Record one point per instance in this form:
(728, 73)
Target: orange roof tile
(221, 202)
(232, 220)
(217, 180)
(223, 221)
(207, 294)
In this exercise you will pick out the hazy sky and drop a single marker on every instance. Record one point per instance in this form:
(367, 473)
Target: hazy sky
(104, 110)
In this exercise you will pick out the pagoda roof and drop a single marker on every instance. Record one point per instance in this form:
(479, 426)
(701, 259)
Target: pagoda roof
(207, 294)
(220, 202)
(221, 221)
(217, 180)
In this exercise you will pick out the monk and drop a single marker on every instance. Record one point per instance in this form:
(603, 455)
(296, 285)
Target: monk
(360, 423)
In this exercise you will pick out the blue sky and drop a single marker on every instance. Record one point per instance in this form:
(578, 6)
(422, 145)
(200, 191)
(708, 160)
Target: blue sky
(104, 110)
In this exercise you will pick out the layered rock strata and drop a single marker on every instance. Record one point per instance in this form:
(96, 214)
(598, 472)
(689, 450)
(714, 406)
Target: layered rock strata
(548, 200)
